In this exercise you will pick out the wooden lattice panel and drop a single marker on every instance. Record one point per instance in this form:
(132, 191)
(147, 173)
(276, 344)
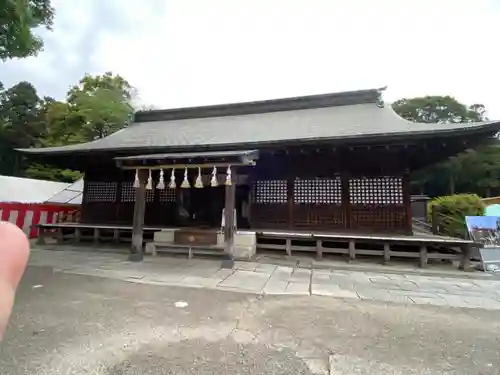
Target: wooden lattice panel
(378, 217)
(101, 192)
(378, 190)
(317, 191)
(314, 216)
(167, 195)
(128, 193)
(270, 192)
(264, 216)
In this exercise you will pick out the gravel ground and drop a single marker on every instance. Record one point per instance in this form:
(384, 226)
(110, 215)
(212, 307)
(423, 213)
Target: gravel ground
(71, 324)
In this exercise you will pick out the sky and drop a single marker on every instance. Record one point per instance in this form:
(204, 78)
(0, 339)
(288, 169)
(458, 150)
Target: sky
(180, 53)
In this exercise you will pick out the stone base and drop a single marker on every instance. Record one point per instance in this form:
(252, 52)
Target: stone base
(227, 263)
(136, 257)
(244, 248)
(165, 235)
(245, 245)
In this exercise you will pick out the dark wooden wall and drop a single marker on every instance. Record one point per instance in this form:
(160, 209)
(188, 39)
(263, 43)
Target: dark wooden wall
(365, 189)
(348, 189)
(109, 198)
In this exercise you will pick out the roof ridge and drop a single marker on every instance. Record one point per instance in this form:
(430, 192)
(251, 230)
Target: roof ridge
(263, 106)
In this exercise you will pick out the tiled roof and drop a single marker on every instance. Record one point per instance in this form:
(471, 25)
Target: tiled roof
(71, 194)
(332, 117)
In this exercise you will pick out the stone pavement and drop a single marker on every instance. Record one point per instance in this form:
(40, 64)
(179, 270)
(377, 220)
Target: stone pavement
(67, 324)
(261, 278)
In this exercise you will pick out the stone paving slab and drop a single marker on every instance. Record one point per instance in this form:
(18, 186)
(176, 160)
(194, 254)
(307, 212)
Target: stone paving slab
(245, 280)
(275, 287)
(200, 282)
(253, 277)
(332, 291)
(297, 288)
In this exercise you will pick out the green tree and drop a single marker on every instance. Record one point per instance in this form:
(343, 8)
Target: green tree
(96, 107)
(63, 124)
(474, 171)
(21, 124)
(104, 102)
(438, 109)
(480, 171)
(18, 19)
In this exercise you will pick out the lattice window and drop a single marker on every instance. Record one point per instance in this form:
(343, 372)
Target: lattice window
(167, 195)
(270, 191)
(101, 192)
(318, 191)
(128, 193)
(379, 190)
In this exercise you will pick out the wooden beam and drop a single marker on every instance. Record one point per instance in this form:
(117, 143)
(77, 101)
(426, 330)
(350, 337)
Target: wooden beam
(136, 251)
(188, 166)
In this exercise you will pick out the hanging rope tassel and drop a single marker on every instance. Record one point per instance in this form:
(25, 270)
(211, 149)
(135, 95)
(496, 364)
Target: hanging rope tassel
(198, 183)
(228, 176)
(161, 181)
(137, 183)
(149, 185)
(213, 181)
(172, 184)
(185, 183)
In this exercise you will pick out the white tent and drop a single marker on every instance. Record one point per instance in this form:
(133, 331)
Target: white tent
(27, 190)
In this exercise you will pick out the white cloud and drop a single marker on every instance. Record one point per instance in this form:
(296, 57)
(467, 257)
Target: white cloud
(195, 52)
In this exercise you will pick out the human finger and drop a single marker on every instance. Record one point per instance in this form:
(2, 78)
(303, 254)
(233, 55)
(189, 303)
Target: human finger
(14, 253)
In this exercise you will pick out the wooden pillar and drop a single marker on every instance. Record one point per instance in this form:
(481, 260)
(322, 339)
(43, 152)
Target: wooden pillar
(136, 251)
(118, 200)
(407, 202)
(97, 235)
(290, 203)
(424, 258)
(387, 253)
(229, 229)
(84, 206)
(465, 261)
(78, 235)
(352, 250)
(346, 200)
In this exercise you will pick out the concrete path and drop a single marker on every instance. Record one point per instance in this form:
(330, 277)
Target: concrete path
(269, 279)
(66, 324)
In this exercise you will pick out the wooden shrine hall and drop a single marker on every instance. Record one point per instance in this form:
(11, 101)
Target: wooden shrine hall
(336, 164)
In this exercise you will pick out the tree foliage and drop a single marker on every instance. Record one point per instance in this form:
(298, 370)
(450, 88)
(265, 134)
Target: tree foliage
(18, 19)
(20, 124)
(452, 211)
(475, 171)
(438, 109)
(104, 104)
(95, 107)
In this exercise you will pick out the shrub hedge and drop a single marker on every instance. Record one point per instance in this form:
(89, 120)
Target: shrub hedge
(452, 210)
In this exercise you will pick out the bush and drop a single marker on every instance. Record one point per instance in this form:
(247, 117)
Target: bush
(452, 210)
